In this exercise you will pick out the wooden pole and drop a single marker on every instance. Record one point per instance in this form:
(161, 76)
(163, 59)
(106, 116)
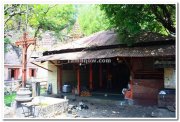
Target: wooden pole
(24, 65)
(100, 75)
(59, 78)
(78, 80)
(25, 43)
(131, 85)
(90, 77)
(42, 67)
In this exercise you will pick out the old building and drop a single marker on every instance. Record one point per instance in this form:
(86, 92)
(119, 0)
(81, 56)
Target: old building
(90, 62)
(13, 64)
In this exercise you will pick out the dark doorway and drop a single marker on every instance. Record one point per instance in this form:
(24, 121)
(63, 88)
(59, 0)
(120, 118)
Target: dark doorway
(12, 73)
(120, 76)
(32, 73)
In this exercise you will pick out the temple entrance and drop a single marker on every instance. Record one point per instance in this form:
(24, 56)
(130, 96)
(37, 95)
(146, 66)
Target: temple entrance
(106, 77)
(115, 77)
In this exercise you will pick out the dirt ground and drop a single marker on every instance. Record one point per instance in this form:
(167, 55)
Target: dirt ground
(98, 108)
(121, 109)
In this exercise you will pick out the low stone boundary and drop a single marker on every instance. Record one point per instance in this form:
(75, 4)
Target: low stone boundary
(50, 107)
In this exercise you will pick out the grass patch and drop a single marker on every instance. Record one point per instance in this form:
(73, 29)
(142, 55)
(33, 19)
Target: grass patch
(8, 99)
(43, 90)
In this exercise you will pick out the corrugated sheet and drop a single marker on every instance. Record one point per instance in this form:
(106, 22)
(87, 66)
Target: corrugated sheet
(151, 51)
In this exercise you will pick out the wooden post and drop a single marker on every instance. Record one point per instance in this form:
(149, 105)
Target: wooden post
(100, 75)
(78, 80)
(25, 43)
(17, 73)
(59, 78)
(131, 77)
(107, 78)
(131, 85)
(24, 66)
(90, 77)
(131, 82)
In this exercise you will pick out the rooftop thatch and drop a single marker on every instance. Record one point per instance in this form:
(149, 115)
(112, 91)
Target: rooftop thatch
(147, 45)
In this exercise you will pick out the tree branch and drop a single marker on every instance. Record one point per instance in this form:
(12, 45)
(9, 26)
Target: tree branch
(39, 27)
(14, 14)
(164, 20)
(37, 31)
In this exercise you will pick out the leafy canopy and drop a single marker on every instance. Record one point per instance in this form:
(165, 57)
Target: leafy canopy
(130, 20)
(39, 17)
(52, 17)
(92, 19)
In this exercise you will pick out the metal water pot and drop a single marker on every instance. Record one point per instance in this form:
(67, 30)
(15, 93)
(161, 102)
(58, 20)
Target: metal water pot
(66, 88)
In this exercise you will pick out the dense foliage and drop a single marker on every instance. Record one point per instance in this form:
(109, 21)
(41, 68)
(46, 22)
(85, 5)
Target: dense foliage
(92, 19)
(128, 19)
(132, 19)
(39, 17)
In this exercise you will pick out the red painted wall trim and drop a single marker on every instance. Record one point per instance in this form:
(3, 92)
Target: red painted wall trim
(90, 77)
(78, 80)
(59, 78)
(100, 75)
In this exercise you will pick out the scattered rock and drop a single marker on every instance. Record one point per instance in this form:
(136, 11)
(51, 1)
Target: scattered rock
(70, 112)
(73, 100)
(91, 103)
(74, 107)
(74, 112)
(81, 103)
(86, 107)
(154, 114)
(76, 116)
(79, 108)
(113, 112)
(171, 108)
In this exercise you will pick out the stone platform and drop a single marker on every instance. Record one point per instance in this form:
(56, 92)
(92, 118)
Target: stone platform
(49, 106)
(42, 107)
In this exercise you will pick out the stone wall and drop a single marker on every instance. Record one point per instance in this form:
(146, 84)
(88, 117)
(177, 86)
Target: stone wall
(51, 110)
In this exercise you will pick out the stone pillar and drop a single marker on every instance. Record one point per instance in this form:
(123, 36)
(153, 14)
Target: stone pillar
(33, 89)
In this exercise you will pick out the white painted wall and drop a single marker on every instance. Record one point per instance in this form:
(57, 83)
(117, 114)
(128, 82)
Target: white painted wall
(52, 77)
(67, 76)
(42, 74)
(169, 78)
(6, 77)
(5, 73)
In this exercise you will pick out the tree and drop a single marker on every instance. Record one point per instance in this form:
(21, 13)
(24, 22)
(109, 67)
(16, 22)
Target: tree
(132, 20)
(11, 10)
(92, 19)
(39, 17)
(52, 17)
